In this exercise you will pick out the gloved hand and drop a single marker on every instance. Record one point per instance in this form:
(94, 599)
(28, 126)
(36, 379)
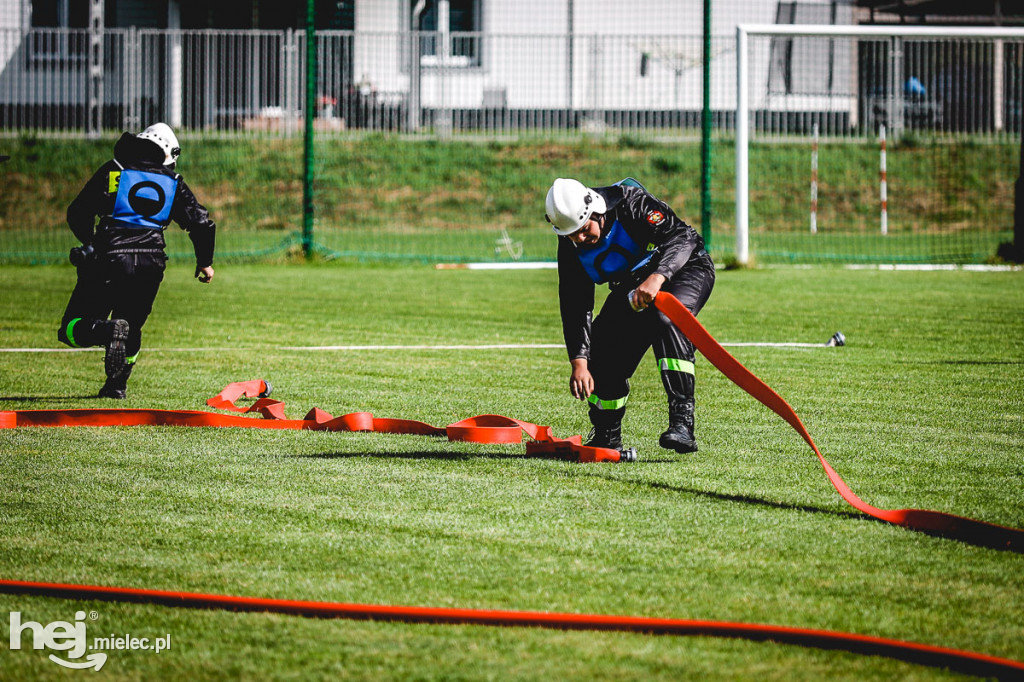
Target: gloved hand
(80, 255)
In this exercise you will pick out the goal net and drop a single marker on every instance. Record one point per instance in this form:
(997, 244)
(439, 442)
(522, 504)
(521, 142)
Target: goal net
(876, 144)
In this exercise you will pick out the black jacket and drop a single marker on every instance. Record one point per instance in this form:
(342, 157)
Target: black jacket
(97, 199)
(652, 226)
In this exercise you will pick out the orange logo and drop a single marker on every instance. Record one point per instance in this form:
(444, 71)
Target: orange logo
(655, 217)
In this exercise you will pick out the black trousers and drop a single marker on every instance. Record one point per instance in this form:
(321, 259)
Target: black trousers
(621, 336)
(115, 286)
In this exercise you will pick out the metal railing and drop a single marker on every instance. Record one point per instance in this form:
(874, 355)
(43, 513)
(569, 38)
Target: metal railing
(251, 82)
(66, 81)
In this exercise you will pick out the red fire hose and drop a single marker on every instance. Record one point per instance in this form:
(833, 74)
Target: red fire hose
(485, 428)
(495, 429)
(490, 428)
(954, 659)
(498, 429)
(941, 523)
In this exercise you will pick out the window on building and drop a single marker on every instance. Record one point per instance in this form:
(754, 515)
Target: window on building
(53, 40)
(60, 14)
(806, 66)
(451, 32)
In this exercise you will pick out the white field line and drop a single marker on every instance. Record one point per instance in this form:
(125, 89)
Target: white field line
(924, 267)
(533, 265)
(546, 265)
(495, 346)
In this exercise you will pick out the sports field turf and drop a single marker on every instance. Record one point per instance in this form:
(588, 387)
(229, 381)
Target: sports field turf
(923, 408)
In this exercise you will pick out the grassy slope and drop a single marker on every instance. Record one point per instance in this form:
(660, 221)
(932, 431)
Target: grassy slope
(922, 409)
(450, 200)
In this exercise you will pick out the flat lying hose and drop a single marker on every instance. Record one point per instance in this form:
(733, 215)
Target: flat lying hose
(498, 429)
(948, 525)
(491, 428)
(485, 428)
(954, 659)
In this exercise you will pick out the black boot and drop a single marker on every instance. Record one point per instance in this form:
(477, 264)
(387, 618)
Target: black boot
(115, 357)
(116, 387)
(605, 437)
(607, 431)
(679, 435)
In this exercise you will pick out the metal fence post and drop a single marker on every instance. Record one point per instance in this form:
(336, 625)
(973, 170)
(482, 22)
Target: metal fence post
(131, 57)
(94, 108)
(1017, 249)
(415, 68)
(307, 180)
(742, 187)
(705, 134)
(175, 64)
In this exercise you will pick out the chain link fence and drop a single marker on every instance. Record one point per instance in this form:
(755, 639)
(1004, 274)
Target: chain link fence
(529, 107)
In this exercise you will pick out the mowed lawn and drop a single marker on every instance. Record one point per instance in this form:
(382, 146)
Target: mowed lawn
(923, 408)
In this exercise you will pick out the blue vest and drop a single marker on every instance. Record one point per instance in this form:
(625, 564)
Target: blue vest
(144, 199)
(614, 256)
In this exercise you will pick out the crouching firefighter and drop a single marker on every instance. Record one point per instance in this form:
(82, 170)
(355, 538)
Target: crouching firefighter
(121, 260)
(623, 236)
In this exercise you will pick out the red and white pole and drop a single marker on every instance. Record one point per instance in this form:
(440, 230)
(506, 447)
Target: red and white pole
(884, 190)
(814, 181)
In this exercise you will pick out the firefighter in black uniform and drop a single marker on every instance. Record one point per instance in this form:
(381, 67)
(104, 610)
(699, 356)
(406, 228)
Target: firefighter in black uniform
(623, 236)
(121, 260)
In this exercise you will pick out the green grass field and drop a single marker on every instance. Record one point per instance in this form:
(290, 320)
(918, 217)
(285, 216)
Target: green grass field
(923, 408)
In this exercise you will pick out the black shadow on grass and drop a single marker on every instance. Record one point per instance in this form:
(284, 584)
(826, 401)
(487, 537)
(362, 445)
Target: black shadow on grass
(37, 398)
(461, 456)
(975, 362)
(743, 499)
(414, 454)
(984, 541)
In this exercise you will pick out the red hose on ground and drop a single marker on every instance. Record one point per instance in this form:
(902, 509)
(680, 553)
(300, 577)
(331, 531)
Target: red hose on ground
(490, 428)
(941, 523)
(954, 659)
(498, 429)
(485, 428)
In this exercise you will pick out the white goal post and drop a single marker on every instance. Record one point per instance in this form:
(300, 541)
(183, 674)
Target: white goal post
(744, 31)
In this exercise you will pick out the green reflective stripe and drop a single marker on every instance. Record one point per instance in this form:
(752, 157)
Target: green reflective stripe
(70, 331)
(131, 360)
(607, 404)
(676, 365)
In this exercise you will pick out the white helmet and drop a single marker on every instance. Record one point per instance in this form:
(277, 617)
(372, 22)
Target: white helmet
(162, 134)
(570, 204)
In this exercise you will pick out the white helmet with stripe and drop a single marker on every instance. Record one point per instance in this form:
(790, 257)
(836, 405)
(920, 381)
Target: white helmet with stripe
(570, 204)
(162, 134)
